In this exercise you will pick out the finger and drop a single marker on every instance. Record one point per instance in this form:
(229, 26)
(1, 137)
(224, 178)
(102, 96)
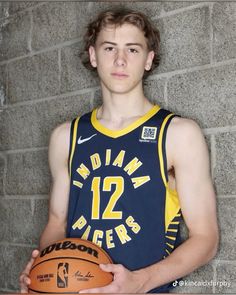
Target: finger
(114, 268)
(106, 289)
(94, 290)
(24, 279)
(24, 282)
(34, 254)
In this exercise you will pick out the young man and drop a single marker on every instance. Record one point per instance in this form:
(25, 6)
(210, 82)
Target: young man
(127, 160)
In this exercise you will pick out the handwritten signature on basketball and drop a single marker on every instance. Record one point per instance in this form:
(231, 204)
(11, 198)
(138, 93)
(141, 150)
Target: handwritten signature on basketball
(81, 276)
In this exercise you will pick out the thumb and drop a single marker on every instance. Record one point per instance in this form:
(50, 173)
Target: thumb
(109, 267)
(35, 253)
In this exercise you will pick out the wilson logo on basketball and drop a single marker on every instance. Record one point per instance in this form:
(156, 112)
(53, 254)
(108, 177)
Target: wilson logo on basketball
(69, 245)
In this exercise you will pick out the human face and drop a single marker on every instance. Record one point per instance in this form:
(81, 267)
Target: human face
(121, 55)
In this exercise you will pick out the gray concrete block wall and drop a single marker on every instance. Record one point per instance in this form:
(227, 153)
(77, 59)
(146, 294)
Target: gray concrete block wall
(42, 84)
(188, 44)
(29, 71)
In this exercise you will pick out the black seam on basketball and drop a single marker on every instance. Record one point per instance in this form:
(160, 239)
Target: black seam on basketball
(101, 250)
(58, 258)
(53, 292)
(92, 244)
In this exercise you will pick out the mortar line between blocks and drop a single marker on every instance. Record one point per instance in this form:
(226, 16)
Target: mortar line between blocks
(18, 245)
(51, 98)
(166, 93)
(213, 155)
(29, 41)
(23, 150)
(44, 50)
(180, 10)
(211, 33)
(226, 196)
(193, 69)
(8, 291)
(218, 261)
(4, 175)
(214, 277)
(32, 206)
(59, 68)
(26, 197)
(92, 99)
(217, 130)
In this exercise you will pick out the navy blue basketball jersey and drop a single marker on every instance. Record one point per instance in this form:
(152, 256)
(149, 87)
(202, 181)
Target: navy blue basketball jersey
(119, 194)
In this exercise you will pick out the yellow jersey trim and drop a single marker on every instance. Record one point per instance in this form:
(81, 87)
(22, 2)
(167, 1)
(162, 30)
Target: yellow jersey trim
(160, 153)
(172, 208)
(171, 238)
(117, 133)
(171, 246)
(172, 230)
(73, 141)
(167, 252)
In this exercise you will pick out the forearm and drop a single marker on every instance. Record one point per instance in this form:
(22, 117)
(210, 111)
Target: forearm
(193, 253)
(52, 233)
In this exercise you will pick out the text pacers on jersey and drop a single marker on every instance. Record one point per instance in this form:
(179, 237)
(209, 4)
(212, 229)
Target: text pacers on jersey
(100, 236)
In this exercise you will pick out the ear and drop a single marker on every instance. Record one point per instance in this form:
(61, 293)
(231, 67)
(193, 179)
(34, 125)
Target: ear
(92, 56)
(149, 60)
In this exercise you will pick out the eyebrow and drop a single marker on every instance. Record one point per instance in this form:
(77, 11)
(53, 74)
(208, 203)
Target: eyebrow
(127, 44)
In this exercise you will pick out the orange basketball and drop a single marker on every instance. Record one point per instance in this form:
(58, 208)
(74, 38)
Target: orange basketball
(68, 266)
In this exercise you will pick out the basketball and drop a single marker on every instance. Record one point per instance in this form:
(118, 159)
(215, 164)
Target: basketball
(68, 266)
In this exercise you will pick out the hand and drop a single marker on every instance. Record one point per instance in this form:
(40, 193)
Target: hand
(124, 281)
(24, 279)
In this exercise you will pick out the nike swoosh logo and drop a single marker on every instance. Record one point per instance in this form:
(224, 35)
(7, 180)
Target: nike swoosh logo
(80, 140)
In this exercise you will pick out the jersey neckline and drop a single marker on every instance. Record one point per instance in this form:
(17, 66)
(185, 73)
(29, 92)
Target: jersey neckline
(117, 133)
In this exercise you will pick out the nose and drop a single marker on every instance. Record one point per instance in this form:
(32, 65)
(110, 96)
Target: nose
(120, 58)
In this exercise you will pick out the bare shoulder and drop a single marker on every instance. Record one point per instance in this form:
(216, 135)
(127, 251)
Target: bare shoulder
(60, 140)
(61, 135)
(62, 131)
(184, 136)
(186, 129)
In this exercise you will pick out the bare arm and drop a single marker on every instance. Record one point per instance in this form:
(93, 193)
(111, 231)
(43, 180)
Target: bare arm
(59, 195)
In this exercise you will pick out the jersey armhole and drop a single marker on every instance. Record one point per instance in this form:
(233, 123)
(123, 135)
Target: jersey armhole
(172, 206)
(73, 136)
(162, 148)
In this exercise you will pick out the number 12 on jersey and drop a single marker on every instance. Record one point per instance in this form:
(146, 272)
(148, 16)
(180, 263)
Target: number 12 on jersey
(106, 186)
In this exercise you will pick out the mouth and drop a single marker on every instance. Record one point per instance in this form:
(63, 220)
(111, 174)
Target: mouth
(119, 75)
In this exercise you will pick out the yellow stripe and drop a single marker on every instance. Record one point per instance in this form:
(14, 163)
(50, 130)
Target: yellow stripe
(171, 238)
(167, 251)
(172, 230)
(116, 133)
(160, 149)
(172, 208)
(73, 141)
(171, 246)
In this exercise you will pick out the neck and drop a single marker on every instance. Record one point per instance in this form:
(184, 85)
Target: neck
(117, 107)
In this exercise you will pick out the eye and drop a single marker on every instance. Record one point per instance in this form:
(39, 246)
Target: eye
(109, 49)
(133, 50)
